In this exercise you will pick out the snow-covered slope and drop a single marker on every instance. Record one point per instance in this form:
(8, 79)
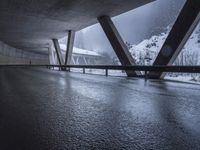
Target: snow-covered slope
(146, 51)
(193, 44)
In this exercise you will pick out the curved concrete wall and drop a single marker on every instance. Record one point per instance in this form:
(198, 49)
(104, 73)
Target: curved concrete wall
(10, 55)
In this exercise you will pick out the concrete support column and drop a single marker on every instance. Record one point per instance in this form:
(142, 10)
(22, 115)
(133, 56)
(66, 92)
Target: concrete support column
(50, 56)
(58, 52)
(118, 44)
(183, 28)
(70, 45)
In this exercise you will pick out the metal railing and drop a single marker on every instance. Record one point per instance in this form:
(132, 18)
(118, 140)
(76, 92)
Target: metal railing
(146, 69)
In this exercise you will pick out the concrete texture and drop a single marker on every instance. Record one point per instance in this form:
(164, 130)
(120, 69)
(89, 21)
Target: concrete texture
(70, 46)
(6, 60)
(50, 110)
(31, 24)
(58, 52)
(11, 55)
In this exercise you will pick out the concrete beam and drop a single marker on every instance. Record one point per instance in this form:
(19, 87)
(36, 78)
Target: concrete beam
(184, 26)
(70, 45)
(118, 44)
(58, 52)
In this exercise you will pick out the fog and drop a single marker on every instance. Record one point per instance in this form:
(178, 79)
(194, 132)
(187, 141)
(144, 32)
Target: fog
(134, 26)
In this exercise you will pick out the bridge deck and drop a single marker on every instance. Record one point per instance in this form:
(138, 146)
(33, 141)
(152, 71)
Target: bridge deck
(43, 109)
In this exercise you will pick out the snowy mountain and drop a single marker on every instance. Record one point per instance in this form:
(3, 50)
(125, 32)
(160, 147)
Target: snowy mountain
(145, 52)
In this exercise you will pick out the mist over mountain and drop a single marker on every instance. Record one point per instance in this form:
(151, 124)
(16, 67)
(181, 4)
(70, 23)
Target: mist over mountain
(134, 26)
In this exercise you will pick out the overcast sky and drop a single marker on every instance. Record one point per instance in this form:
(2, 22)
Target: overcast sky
(134, 26)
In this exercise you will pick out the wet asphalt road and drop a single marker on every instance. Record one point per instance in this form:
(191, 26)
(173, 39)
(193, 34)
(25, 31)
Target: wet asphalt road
(51, 110)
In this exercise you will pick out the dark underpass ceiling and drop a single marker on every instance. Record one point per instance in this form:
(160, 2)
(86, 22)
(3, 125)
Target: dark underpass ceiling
(31, 24)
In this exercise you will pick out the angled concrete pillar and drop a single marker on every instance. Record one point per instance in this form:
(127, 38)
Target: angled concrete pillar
(117, 43)
(180, 33)
(70, 45)
(50, 56)
(58, 52)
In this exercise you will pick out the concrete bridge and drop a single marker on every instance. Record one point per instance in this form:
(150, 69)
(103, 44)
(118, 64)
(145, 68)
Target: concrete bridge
(78, 57)
(43, 109)
(83, 56)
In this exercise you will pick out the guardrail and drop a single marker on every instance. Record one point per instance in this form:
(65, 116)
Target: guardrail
(146, 69)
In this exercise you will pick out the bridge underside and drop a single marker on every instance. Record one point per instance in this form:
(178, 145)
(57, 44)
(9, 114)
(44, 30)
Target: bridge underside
(30, 25)
(94, 112)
